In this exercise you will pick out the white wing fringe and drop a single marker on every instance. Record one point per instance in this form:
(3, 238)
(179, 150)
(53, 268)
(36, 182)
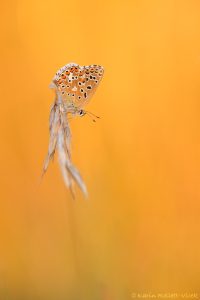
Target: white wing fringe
(60, 140)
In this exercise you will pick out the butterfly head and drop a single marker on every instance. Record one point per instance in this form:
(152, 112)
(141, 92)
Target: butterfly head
(81, 112)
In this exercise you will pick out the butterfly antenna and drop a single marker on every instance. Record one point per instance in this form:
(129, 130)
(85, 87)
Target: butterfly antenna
(91, 115)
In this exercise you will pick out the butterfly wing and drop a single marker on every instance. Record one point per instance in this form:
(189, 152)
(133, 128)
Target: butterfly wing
(77, 84)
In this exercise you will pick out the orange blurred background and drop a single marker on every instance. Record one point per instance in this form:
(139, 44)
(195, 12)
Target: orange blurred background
(139, 229)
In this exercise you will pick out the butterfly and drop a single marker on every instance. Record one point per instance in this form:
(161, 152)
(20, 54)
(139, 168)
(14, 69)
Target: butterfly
(74, 86)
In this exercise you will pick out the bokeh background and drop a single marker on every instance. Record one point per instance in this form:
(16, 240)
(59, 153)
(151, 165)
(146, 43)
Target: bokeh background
(139, 229)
